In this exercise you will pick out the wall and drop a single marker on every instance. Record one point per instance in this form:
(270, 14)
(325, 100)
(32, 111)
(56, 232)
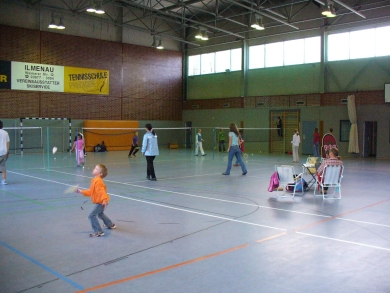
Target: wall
(338, 76)
(35, 16)
(145, 83)
(327, 107)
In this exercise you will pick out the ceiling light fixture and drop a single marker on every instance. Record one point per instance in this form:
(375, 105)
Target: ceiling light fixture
(199, 35)
(99, 8)
(154, 43)
(61, 26)
(52, 23)
(202, 34)
(160, 46)
(91, 7)
(257, 23)
(204, 37)
(329, 10)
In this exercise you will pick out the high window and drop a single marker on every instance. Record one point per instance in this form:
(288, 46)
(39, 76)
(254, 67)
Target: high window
(359, 44)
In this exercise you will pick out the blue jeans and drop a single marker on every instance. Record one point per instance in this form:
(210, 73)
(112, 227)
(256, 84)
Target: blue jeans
(316, 151)
(98, 211)
(235, 151)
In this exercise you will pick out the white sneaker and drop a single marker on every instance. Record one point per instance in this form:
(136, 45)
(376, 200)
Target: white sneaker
(3, 182)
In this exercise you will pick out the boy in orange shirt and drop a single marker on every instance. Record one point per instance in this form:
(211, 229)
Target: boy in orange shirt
(99, 197)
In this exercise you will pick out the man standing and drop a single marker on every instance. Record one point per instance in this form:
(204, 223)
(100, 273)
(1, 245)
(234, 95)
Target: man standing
(4, 152)
(221, 140)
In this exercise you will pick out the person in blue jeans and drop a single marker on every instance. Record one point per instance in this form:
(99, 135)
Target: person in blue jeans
(234, 150)
(150, 151)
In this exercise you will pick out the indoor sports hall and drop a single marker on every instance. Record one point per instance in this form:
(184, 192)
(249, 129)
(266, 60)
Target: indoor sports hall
(300, 89)
(192, 230)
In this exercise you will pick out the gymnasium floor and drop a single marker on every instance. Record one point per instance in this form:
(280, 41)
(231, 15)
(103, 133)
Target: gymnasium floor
(193, 230)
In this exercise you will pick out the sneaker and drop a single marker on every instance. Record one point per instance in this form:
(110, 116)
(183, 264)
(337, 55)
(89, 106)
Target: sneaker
(154, 179)
(204, 155)
(96, 234)
(112, 227)
(3, 182)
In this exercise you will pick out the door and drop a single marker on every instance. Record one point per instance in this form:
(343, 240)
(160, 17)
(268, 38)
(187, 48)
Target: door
(307, 137)
(188, 135)
(370, 139)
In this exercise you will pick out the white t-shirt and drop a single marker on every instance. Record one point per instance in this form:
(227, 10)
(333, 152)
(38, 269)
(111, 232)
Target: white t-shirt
(296, 140)
(4, 138)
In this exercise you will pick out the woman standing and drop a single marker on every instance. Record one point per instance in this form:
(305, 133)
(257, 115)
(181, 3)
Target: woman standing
(234, 150)
(150, 151)
(296, 140)
(316, 142)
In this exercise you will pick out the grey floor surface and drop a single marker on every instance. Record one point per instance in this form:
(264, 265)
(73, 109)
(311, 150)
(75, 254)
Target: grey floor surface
(193, 230)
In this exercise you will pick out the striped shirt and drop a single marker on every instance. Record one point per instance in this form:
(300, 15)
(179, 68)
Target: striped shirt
(329, 162)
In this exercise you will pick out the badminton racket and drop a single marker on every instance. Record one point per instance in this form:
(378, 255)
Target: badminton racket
(66, 156)
(71, 189)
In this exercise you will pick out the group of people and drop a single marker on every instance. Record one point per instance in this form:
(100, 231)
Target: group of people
(98, 190)
(296, 140)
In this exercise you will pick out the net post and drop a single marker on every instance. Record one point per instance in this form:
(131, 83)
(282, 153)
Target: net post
(70, 134)
(48, 148)
(214, 138)
(21, 136)
(196, 139)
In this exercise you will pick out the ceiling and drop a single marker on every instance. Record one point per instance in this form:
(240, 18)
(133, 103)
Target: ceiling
(225, 21)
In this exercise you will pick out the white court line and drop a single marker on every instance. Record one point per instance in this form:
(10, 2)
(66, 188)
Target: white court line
(214, 199)
(169, 207)
(344, 241)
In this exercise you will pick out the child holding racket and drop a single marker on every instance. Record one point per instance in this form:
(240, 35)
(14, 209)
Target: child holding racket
(98, 193)
(79, 146)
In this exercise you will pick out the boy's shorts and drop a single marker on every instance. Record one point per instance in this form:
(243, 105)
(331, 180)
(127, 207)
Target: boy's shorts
(3, 159)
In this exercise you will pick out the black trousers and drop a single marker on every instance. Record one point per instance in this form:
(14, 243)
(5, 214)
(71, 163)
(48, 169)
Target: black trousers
(132, 150)
(150, 166)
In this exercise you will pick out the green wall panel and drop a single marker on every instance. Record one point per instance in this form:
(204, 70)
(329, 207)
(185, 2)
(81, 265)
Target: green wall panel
(220, 85)
(287, 80)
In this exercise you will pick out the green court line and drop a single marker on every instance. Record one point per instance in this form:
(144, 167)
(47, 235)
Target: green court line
(26, 199)
(39, 210)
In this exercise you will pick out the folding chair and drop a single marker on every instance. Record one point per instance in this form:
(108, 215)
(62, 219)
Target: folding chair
(310, 168)
(331, 178)
(287, 179)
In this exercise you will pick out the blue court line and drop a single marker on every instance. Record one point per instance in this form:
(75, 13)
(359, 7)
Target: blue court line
(42, 266)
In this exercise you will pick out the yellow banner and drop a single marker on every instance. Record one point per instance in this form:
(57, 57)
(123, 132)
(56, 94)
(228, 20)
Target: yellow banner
(86, 81)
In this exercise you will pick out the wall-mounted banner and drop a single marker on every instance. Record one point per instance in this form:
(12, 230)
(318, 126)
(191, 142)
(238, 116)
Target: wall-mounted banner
(86, 80)
(37, 77)
(5, 74)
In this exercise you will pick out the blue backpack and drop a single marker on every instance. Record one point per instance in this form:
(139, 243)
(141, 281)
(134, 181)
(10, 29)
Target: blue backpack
(301, 185)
